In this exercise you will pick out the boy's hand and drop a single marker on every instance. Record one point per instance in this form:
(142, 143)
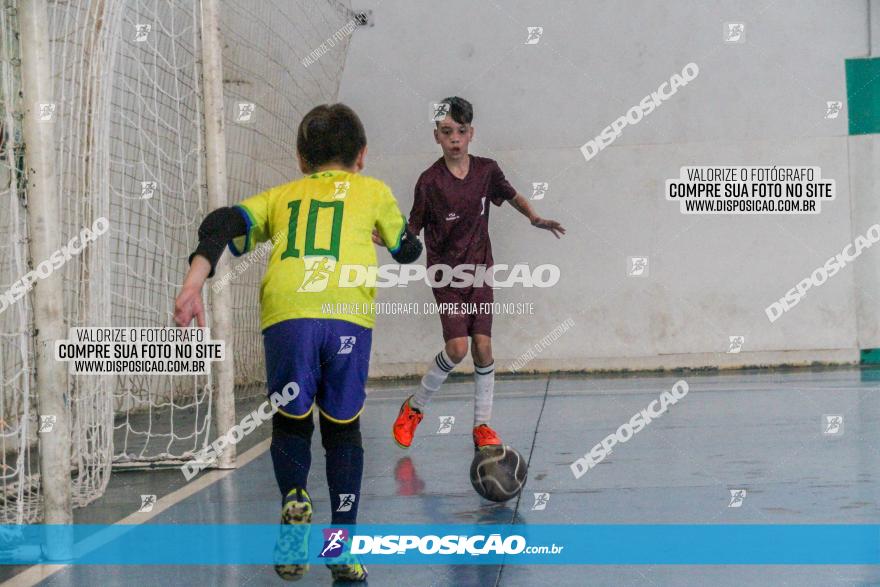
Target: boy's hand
(378, 239)
(550, 225)
(188, 305)
(189, 300)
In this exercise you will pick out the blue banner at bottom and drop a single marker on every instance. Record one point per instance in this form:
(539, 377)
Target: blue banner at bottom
(653, 544)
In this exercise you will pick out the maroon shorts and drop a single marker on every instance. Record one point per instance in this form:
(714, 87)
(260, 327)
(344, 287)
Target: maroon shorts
(464, 311)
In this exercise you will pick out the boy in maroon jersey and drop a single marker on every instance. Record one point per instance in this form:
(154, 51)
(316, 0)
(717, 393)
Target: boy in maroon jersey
(451, 203)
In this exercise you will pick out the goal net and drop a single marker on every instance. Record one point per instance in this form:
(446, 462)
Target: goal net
(20, 483)
(128, 122)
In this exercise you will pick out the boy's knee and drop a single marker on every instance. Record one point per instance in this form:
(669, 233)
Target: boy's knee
(456, 349)
(336, 434)
(284, 425)
(481, 350)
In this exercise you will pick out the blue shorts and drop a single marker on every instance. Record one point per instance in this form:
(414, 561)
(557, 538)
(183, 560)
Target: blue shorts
(328, 359)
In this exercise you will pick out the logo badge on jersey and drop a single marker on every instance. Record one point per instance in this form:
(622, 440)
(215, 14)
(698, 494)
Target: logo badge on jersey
(318, 270)
(346, 345)
(451, 216)
(341, 189)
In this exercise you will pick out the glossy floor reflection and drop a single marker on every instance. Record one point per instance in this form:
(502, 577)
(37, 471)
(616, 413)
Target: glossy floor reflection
(763, 432)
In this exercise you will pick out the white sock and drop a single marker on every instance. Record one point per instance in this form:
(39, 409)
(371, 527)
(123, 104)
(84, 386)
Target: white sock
(484, 387)
(433, 379)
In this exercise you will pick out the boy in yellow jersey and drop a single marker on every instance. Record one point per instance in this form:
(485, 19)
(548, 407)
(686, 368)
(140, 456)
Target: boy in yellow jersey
(316, 334)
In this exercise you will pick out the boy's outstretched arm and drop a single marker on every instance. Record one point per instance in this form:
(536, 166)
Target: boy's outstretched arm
(521, 204)
(216, 230)
(408, 251)
(393, 232)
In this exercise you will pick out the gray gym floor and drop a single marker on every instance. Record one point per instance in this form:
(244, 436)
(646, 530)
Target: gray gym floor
(760, 431)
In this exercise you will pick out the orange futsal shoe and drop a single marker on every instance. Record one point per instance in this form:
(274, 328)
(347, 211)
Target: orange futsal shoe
(485, 436)
(405, 425)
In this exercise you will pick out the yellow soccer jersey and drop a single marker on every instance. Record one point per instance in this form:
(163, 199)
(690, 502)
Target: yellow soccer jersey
(318, 226)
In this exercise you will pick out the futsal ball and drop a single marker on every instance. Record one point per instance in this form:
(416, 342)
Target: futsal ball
(498, 472)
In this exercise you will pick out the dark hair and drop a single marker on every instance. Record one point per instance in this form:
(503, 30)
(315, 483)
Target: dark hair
(330, 133)
(460, 110)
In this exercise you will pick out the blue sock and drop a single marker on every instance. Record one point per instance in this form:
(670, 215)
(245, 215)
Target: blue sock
(345, 467)
(291, 451)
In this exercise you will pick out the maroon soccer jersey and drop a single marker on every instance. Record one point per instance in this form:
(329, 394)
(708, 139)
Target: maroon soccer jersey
(455, 212)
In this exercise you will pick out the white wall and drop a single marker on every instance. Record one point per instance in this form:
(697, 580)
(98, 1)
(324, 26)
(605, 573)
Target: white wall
(757, 103)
